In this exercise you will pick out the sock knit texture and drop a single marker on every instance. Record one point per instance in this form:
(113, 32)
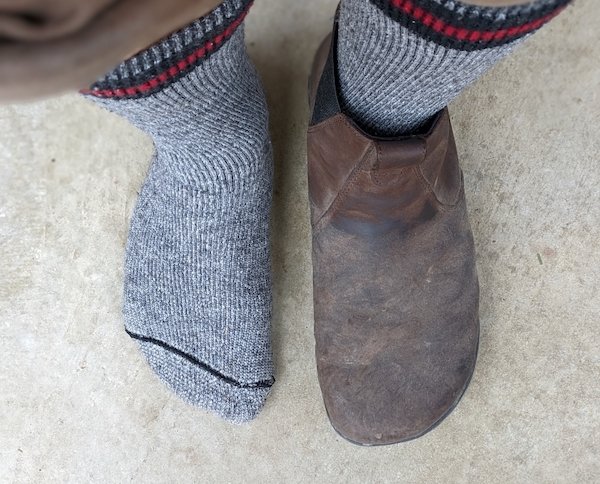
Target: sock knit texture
(402, 61)
(197, 270)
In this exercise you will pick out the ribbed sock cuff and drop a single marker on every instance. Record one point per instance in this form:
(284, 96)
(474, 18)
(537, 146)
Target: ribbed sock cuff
(459, 26)
(173, 57)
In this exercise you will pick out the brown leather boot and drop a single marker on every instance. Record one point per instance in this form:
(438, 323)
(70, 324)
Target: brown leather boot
(395, 284)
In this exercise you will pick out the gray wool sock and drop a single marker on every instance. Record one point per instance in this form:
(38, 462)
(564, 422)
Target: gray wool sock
(402, 61)
(197, 271)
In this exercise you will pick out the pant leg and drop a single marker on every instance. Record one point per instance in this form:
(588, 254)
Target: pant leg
(51, 46)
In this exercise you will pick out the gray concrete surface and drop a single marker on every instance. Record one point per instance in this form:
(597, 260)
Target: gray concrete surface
(78, 404)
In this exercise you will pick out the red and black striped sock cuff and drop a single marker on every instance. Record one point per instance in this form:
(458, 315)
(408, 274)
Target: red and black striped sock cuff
(173, 57)
(456, 25)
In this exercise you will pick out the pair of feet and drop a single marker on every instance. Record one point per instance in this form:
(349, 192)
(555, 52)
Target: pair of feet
(395, 284)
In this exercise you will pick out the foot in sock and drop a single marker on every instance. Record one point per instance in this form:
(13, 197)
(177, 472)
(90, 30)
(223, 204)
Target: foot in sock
(197, 271)
(400, 62)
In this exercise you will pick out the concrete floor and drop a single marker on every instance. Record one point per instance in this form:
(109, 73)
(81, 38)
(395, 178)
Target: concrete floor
(78, 404)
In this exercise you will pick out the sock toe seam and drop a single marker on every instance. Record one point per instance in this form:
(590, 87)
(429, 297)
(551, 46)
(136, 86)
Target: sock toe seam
(196, 362)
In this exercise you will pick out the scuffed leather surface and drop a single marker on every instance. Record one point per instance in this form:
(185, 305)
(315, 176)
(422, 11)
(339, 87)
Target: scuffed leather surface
(396, 293)
(50, 46)
(336, 138)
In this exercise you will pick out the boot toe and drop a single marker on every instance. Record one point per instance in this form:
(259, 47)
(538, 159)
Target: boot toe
(380, 397)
